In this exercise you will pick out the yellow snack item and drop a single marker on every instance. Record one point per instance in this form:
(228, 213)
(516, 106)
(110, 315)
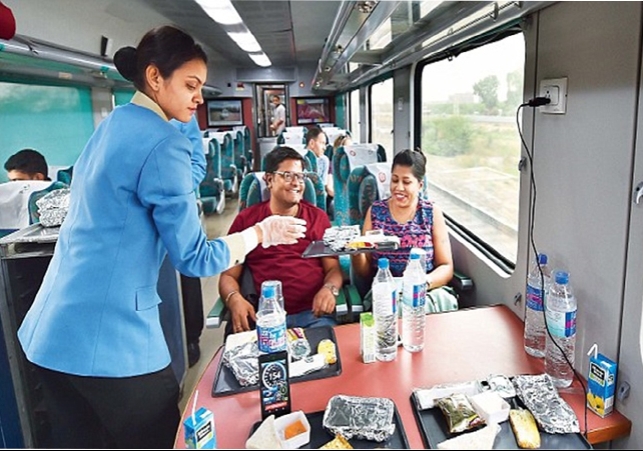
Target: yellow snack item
(339, 442)
(525, 428)
(327, 348)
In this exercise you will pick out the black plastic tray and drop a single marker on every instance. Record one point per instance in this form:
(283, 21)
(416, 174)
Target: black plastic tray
(320, 436)
(226, 384)
(434, 429)
(319, 249)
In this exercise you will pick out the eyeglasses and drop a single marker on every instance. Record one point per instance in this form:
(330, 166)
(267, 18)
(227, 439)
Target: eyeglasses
(288, 176)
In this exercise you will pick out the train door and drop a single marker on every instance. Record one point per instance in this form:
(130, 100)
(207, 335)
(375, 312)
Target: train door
(630, 359)
(264, 94)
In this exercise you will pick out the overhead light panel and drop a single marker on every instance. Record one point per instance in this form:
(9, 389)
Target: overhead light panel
(260, 59)
(246, 41)
(221, 11)
(224, 13)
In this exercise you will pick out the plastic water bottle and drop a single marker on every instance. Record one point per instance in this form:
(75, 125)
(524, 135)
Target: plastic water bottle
(413, 301)
(385, 312)
(560, 309)
(534, 312)
(271, 323)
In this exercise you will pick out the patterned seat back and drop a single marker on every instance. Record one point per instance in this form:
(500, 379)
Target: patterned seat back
(344, 161)
(64, 175)
(211, 189)
(229, 173)
(253, 190)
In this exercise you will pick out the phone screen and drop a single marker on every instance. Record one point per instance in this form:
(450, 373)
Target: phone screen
(274, 385)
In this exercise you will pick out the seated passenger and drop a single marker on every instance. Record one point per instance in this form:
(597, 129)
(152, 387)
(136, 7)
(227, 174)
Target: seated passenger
(316, 142)
(417, 222)
(27, 164)
(309, 285)
(342, 140)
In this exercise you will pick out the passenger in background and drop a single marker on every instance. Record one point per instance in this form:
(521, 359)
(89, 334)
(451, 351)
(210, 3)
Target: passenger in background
(191, 286)
(417, 222)
(93, 331)
(310, 285)
(341, 141)
(27, 164)
(316, 142)
(279, 116)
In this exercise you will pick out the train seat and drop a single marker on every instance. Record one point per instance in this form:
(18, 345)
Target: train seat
(229, 173)
(211, 189)
(64, 175)
(344, 161)
(247, 146)
(253, 190)
(240, 159)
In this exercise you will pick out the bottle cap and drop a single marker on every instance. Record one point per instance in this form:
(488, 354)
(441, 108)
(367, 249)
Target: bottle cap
(415, 255)
(542, 259)
(268, 291)
(562, 277)
(382, 263)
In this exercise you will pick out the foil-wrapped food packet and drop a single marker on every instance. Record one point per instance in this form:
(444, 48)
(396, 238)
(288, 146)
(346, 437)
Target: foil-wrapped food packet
(243, 361)
(551, 412)
(53, 207)
(360, 417)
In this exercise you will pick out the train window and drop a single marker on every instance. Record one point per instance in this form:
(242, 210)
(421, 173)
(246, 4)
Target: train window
(471, 142)
(381, 102)
(55, 120)
(354, 115)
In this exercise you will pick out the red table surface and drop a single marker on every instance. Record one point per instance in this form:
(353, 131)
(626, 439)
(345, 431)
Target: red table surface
(460, 346)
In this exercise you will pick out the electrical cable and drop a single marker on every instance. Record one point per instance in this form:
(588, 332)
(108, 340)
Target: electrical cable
(536, 102)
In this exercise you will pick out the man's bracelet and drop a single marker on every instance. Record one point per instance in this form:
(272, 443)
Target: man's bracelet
(227, 298)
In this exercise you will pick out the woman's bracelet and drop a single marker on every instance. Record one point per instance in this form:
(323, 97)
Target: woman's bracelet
(227, 298)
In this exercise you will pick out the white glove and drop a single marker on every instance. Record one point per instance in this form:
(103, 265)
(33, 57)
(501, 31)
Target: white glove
(282, 230)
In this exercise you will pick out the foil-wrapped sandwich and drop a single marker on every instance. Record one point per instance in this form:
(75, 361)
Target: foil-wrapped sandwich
(360, 417)
(53, 207)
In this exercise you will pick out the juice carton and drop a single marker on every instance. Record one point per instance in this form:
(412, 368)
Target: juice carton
(601, 385)
(367, 335)
(199, 430)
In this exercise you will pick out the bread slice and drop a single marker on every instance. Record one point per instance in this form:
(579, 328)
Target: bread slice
(482, 438)
(525, 428)
(265, 437)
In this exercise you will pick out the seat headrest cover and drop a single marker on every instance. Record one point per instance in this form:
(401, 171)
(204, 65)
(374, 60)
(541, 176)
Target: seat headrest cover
(382, 174)
(361, 154)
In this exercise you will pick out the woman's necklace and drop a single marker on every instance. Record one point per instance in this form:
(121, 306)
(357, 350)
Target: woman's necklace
(404, 215)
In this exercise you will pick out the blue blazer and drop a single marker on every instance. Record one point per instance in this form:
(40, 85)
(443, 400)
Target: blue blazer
(132, 201)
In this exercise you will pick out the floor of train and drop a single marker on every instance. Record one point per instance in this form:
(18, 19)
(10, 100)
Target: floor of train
(215, 225)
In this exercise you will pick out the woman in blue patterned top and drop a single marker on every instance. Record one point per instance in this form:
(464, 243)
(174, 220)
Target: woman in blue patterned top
(419, 223)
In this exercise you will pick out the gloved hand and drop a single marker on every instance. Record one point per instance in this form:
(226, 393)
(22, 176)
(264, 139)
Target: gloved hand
(282, 230)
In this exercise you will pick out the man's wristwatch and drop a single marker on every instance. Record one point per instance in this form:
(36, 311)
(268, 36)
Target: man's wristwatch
(333, 289)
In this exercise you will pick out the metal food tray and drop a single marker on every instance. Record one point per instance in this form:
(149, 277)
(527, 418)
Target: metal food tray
(320, 249)
(225, 383)
(320, 436)
(434, 429)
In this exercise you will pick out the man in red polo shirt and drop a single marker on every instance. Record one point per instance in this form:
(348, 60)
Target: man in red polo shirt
(310, 285)
(7, 22)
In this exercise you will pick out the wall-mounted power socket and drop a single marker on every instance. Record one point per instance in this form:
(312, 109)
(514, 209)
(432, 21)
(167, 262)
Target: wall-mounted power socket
(556, 90)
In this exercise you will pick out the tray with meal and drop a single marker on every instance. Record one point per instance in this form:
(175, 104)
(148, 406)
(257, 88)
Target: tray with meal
(313, 351)
(348, 422)
(346, 240)
(522, 412)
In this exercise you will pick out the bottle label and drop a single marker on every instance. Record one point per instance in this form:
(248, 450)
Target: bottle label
(561, 324)
(394, 300)
(271, 338)
(418, 296)
(534, 298)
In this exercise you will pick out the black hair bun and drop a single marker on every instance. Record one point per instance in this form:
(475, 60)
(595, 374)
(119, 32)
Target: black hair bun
(125, 62)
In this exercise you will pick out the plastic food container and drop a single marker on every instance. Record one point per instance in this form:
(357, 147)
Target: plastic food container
(491, 406)
(298, 440)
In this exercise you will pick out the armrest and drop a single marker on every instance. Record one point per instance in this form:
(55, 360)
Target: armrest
(217, 314)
